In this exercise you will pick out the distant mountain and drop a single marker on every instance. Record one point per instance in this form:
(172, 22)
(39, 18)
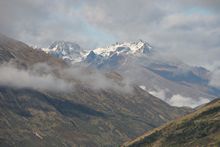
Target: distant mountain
(68, 51)
(83, 116)
(72, 52)
(201, 128)
(117, 54)
(144, 66)
(134, 48)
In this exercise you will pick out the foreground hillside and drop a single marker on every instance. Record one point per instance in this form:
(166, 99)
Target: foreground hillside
(86, 116)
(201, 128)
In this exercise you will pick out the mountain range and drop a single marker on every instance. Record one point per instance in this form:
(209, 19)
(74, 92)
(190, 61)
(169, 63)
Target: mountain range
(167, 78)
(67, 96)
(45, 101)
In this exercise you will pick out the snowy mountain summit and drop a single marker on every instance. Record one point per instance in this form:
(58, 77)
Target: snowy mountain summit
(73, 53)
(118, 53)
(68, 51)
(132, 48)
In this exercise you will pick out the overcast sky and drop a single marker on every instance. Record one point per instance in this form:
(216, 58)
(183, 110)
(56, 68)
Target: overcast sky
(187, 29)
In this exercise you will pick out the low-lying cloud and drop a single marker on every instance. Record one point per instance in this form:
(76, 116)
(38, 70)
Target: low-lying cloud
(179, 100)
(44, 77)
(14, 77)
(95, 79)
(160, 94)
(215, 79)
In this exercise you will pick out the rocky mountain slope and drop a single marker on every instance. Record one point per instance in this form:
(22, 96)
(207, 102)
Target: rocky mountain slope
(16, 51)
(85, 115)
(200, 128)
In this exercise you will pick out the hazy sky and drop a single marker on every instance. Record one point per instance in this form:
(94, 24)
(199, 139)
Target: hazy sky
(187, 29)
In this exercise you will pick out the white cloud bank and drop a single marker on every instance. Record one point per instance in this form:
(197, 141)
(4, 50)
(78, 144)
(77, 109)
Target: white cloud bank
(42, 77)
(215, 79)
(13, 77)
(179, 100)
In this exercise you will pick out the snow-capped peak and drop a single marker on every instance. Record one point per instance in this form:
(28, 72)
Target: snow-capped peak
(65, 46)
(72, 52)
(68, 51)
(139, 47)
